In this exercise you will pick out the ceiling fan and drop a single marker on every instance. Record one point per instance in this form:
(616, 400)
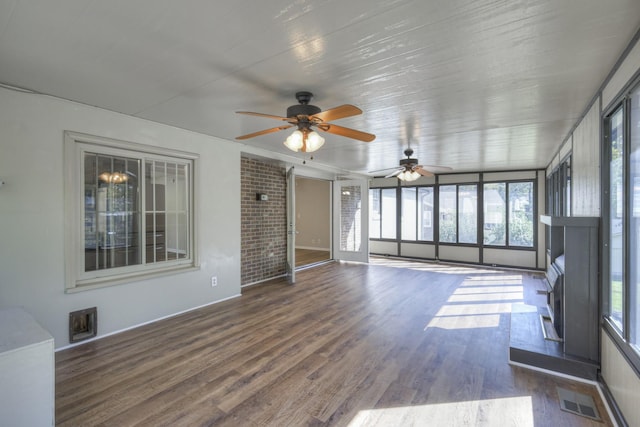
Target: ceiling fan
(410, 170)
(305, 117)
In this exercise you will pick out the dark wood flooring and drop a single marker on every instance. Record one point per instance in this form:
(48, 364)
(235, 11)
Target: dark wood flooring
(385, 344)
(311, 256)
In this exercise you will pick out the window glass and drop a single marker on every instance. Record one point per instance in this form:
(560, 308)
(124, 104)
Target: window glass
(616, 216)
(425, 213)
(495, 214)
(408, 220)
(111, 212)
(388, 204)
(521, 214)
(634, 223)
(130, 209)
(468, 213)
(448, 228)
(374, 213)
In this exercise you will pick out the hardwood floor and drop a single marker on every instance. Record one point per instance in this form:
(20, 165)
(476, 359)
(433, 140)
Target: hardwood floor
(390, 343)
(311, 256)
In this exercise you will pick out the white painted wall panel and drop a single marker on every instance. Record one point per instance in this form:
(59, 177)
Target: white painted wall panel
(459, 253)
(621, 77)
(585, 166)
(622, 381)
(566, 148)
(509, 257)
(458, 178)
(506, 176)
(418, 250)
(384, 248)
(542, 202)
(383, 182)
(32, 208)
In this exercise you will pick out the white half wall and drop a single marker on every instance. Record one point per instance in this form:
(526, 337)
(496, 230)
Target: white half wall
(32, 223)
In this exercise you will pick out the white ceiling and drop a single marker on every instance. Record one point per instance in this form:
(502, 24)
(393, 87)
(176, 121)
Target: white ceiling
(474, 85)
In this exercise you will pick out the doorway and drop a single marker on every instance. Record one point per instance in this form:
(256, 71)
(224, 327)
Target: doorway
(313, 221)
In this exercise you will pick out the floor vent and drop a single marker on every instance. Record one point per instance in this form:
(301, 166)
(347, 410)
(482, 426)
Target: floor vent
(577, 403)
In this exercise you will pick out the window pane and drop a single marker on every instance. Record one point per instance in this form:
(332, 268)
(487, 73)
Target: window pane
(350, 216)
(408, 220)
(521, 214)
(468, 213)
(495, 214)
(634, 223)
(447, 200)
(616, 206)
(388, 213)
(425, 213)
(374, 213)
(111, 213)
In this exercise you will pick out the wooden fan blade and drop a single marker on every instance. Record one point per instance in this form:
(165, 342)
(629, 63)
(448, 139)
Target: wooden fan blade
(267, 116)
(422, 171)
(349, 133)
(264, 132)
(338, 113)
(436, 169)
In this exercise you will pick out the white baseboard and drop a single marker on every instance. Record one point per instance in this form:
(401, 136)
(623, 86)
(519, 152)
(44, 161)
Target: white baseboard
(146, 323)
(311, 248)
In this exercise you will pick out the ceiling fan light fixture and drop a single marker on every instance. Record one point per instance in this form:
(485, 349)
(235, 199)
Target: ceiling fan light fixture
(313, 142)
(408, 175)
(295, 141)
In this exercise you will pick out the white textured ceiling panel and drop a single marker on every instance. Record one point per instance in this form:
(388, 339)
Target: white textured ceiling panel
(474, 85)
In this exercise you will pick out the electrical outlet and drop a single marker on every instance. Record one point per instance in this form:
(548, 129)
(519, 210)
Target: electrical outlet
(214, 281)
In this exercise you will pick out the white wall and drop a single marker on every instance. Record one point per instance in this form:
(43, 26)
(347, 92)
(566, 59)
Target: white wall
(313, 213)
(31, 217)
(585, 165)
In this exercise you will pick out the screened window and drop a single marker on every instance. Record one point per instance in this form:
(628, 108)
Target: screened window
(520, 214)
(134, 207)
(616, 217)
(508, 214)
(468, 213)
(382, 213)
(458, 213)
(622, 225)
(495, 214)
(448, 229)
(417, 213)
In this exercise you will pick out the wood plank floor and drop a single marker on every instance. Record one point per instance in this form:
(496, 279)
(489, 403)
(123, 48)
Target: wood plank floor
(311, 256)
(386, 344)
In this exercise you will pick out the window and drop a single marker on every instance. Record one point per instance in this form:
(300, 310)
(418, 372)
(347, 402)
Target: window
(417, 213)
(622, 225)
(131, 208)
(559, 190)
(508, 214)
(495, 210)
(458, 213)
(382, 217)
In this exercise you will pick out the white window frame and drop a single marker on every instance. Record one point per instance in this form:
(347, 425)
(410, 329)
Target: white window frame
(75, 146)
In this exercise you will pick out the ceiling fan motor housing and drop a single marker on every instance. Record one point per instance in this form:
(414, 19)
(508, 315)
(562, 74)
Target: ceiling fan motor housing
(302, 110)
(408, 162)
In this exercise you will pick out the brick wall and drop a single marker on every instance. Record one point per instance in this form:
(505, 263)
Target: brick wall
(264, 223)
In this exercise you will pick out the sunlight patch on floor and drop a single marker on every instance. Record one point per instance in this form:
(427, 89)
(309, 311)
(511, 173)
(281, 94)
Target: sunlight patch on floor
(430, 266)
(488, 289)
(502, 296)
(469, 309)
(508, 411)
(503, 280)
(465, 322)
